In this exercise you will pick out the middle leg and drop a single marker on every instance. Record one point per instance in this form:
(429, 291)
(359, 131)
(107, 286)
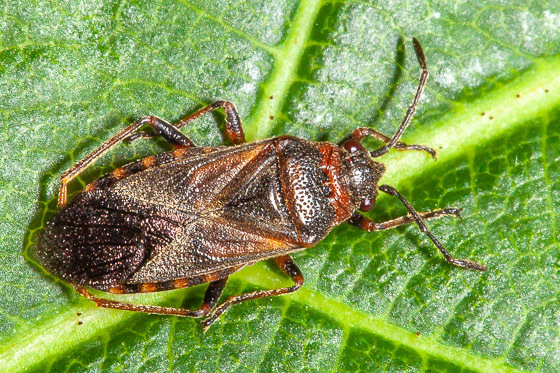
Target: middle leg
(369, 225)
(464, 263)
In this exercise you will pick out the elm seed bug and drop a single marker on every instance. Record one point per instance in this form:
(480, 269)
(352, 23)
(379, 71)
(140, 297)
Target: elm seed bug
(198, 214)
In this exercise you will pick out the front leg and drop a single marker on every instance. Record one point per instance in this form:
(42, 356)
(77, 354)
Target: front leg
(464, 263)
(359, 133)
(369, 225)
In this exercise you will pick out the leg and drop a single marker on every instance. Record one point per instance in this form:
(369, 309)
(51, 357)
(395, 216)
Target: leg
(166, 131)
(359, 133)
(211, 297)
(464, 263)
(371, 226)
(234, 130)
(161, 127)
(412, 108)
(286, 264)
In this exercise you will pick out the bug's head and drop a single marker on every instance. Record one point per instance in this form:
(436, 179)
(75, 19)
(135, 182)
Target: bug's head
(363, 174)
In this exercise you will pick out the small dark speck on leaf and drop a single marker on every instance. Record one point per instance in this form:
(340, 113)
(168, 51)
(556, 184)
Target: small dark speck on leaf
(518, 95)
(78, 314)
(491, 118)
(483, 113)
(271, 97)
(418, 334)
(80, 323)
(546, 91)
(271, 117)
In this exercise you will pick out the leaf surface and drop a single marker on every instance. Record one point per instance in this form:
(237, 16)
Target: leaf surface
(72, 74)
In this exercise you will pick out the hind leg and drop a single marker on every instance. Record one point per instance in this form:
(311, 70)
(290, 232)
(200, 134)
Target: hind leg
(234, 129)
(211, 297)
(161, 128)
(286, 264)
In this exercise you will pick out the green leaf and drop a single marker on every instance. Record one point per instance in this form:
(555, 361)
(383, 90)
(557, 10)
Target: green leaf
(72, 74)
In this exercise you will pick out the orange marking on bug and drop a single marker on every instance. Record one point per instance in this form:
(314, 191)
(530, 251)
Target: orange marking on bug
(149, 287)
(298, 279)
(119, 173)
(179, 153)
(90, 187)
(339, 196)
(149, 161)
(281, 260)
(211, 277)
(181, 283)
(116, 290)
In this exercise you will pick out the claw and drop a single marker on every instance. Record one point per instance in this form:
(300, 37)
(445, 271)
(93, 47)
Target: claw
(468, 264)
(456, 211)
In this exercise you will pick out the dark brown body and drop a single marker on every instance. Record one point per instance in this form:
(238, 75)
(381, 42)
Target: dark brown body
(200, 213)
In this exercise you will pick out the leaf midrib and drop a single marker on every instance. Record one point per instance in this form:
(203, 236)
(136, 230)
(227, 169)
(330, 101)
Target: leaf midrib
(288, 58)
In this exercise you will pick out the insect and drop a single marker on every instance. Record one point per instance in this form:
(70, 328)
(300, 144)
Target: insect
(198, 214)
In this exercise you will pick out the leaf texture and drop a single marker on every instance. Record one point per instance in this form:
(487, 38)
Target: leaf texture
(73, 73)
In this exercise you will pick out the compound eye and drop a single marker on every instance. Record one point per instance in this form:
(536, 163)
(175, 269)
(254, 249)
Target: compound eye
(367, 204)
(352, 146)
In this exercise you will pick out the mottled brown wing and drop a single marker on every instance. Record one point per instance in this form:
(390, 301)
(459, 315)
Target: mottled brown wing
(240, 216)
(190, 183)
(100, 240)
(203, 211)
(209, 246)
